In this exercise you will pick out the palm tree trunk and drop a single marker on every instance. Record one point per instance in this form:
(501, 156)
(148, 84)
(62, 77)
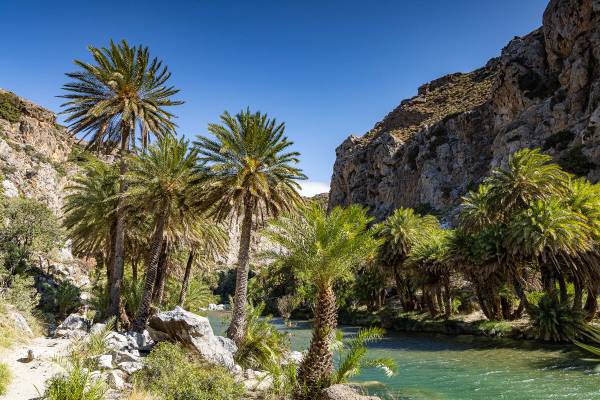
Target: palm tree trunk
(143, 312)
(134, 269)
(564, 295)
(448, 298)
(186, 277)
(317, 366)
(238, 319)
(578, 298)
(114, 304)
(161, 275)
(591, 304)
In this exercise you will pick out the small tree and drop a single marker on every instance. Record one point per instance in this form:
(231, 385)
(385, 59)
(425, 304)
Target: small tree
(324, 249)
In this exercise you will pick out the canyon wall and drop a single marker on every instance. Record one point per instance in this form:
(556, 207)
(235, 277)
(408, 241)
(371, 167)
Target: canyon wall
(542, 91)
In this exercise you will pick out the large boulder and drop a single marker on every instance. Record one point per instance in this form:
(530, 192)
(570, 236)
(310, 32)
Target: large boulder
(195, 333)
(344, 392)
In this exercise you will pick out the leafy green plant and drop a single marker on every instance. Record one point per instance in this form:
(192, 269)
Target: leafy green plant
(75, 384)
(172, 374)
(553, 320)
(353, 356)
(263, 344)
(10, 107)
(5, 378)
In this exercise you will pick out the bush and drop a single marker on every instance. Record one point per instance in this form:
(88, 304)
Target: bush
(5, 378)
(172, 374)
(263, 345)
(556, 321)
(198, 297)
(10, 107)
(75, 384)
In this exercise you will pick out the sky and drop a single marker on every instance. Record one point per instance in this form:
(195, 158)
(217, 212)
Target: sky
(328, 69)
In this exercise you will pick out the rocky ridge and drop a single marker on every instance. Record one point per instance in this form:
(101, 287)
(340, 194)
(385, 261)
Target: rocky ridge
(542, 91)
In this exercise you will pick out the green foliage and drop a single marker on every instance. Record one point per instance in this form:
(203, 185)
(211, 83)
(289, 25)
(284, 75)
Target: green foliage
(554, 321)
(198, 297)
(21, 293)
(353, 356)
(263, 345)
(5, 378)
(26, 227)
(249, 161)
(65, 298)
(171, 374)
(74, 384)
(123, 87)
(10, 107)
(324, 248)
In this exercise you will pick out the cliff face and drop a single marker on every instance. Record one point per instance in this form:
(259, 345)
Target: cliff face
(543, 91)
(33, 151)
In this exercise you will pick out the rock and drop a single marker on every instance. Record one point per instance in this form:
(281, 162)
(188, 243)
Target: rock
(21, 322)
(227, 343)
(127, 356)
(344, 392)
(292, 357)
(9, 189)
(217, 307)
(116, 341)
(97, 328)
(116, 379)
(75, 322)
(104, 361)
(140, 341)
(130, 366)
(194, 332)
(433, 148)
(30, 356)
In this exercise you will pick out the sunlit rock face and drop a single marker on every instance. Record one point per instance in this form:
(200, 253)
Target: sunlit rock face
(542, 91)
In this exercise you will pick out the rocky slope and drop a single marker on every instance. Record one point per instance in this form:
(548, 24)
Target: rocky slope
(542, 91)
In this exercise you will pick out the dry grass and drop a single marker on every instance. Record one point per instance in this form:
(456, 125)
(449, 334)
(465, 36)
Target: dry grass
(140, 394)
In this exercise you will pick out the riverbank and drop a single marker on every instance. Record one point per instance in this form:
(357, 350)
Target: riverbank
(471, 324)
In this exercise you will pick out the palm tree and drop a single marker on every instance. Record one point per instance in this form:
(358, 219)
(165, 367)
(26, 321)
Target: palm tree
(90, 210)
(251, 173)
(160, 180)
(429, 262)
(209, 241)
(324, 249)
(554, 237)
(401, 231)
(120, 97)
(529, 176)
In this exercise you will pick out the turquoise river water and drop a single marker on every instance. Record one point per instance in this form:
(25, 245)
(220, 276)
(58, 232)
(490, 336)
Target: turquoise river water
(439, 367)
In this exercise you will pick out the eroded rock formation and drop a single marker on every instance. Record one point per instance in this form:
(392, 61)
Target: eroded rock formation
(542, 91)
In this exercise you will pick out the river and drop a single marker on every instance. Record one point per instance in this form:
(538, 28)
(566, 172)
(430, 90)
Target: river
(440, 367)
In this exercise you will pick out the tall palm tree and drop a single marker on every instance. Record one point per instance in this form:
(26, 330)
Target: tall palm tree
(401, 231)
(324, 249)
(251, 173)
(160, 180)
(119, 97)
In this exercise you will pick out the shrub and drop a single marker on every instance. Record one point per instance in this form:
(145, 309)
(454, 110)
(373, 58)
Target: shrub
(198, 296)
(75, 384)
(10, 107)
(263, 344)
(172, 374)
(5, 378)
(556, 321)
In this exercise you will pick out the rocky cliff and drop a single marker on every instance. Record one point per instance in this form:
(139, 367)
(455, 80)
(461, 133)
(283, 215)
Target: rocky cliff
(542, 91)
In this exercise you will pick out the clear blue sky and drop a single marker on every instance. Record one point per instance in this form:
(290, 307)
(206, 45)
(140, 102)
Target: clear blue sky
(326, 68)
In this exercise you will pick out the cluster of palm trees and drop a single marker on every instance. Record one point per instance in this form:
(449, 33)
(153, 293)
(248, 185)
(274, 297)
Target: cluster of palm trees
(167, 195)
(529, 227)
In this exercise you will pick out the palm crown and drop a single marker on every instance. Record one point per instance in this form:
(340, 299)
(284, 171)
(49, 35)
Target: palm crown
(122, 89)
(249, 160)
